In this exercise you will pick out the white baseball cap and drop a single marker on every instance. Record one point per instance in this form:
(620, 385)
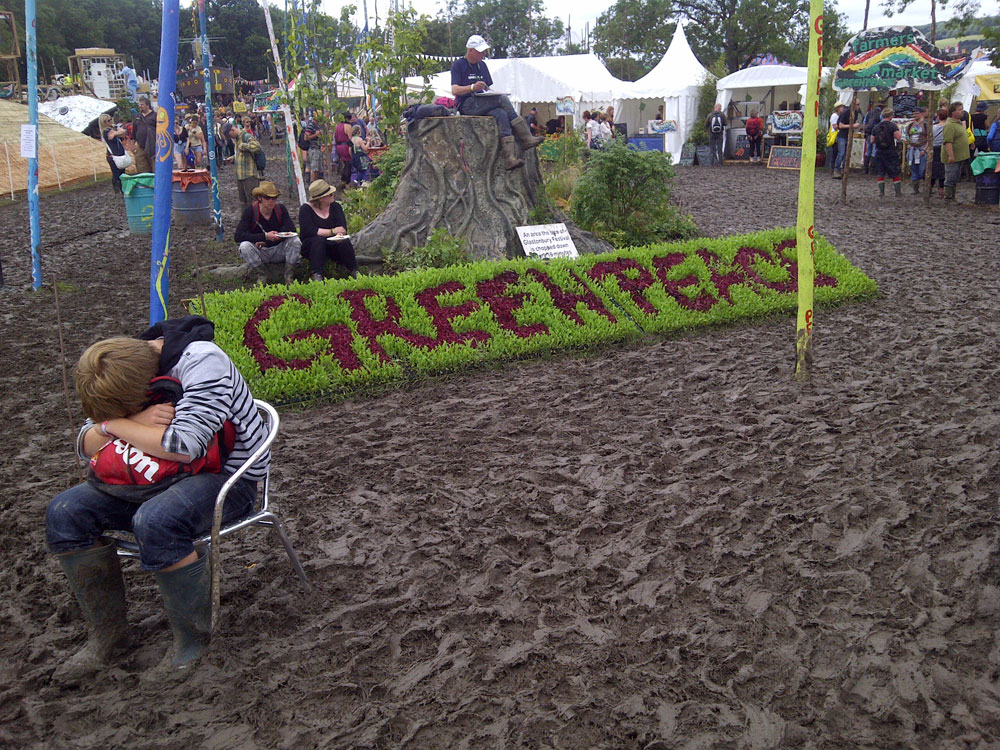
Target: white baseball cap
(477, 43)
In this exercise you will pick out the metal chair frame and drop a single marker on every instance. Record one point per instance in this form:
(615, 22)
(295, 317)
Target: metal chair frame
(261, 517)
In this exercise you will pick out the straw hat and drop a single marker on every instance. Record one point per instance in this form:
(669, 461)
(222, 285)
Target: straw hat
(266, 189)
(320, 189)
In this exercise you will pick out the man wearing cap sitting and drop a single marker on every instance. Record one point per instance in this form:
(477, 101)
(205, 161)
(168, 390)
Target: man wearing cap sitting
(258, 235)
(247, 176)
(469, 79)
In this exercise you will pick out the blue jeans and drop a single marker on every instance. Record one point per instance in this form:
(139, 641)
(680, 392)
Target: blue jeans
(497, 107)
(838, 165)
(165, 526)
(917, 168)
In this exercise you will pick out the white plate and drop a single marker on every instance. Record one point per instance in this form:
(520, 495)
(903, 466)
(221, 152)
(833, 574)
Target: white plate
(338, 237)
(286, 235)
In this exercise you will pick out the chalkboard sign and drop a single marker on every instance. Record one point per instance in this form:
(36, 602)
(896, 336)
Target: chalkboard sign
(785, 157)
(703, 155)
(687, 154)
(741, 149)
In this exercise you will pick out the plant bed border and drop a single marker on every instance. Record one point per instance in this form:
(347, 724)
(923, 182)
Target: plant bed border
(340, 336)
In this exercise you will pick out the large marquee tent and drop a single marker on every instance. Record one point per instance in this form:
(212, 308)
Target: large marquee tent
(672, 84)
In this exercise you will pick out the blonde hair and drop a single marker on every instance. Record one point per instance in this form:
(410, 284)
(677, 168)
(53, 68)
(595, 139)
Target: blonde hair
(112, 377)
(104, 121)
(356, 130)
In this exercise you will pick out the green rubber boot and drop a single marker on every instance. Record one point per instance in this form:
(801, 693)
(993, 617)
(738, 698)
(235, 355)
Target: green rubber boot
(95, 578)
(881, 189)
(898, 188)
(187, 598)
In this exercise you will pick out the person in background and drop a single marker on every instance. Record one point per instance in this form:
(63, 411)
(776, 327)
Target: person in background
(196, 141)
(993, 135)
(471, 76)
(843, 127)
(755, 134)
(112, 136)
(605, 133)
(872, 117)
(247, 176)
(979, 127)
(916, 152)
(716, 124)
(609, 118)
(258, 235)
(144, 135)
(555, 126)
(591, 130)
(937, 163)
(360, 161)
(532, 120)
(320, 219)
(885, 135)
(180, 144)
(954, 149)
(659, 114)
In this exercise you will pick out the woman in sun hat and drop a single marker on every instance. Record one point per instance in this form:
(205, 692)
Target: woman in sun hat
(319, 220)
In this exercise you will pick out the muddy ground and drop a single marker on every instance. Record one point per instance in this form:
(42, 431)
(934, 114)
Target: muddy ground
(670, 545)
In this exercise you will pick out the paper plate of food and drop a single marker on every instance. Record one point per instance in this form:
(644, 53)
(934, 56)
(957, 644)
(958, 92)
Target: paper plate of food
(338, 237)
(286, 235)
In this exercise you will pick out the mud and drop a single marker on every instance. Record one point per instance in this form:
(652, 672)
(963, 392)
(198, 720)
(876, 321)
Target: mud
(670, 545)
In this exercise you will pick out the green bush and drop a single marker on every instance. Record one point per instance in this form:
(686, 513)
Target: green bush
(362, 206)
(623, 196)
(441, 250)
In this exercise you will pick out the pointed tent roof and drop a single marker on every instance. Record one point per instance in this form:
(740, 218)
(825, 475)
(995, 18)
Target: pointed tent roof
(677, 71)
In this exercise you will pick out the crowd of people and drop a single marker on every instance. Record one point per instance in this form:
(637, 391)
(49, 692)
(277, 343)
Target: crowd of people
(954, 135)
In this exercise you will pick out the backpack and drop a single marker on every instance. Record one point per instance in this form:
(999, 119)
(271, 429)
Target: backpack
(300, 140)
(124, 471)
(717, 125)
(883, 135)
(260, 160)
(753, 127)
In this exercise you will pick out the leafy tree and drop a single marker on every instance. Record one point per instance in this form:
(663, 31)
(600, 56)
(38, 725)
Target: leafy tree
(632, 35)
(514, 28)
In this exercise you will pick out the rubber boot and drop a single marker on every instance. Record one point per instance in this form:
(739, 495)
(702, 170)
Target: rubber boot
(187, 598)
(916, 187)
(511, 153)
(257, 274)
(522, 132)
(949, 192)
(289, 273)
(95, 578)
(940, 192)
(881, 188)
(897, 186)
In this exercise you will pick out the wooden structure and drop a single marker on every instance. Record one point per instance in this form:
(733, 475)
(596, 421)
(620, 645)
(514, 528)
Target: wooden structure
(191, 83)
(97, 71)
(10, 85)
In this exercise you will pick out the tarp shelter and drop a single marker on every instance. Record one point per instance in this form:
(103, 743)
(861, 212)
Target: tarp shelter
(981, 82)
(64, 156)
(76, 112)
(543, 81)
(674, 85)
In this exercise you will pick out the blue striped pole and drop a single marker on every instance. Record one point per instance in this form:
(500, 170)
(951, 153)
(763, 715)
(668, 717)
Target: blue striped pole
(36, 233)
(210, 120)
(159, 282)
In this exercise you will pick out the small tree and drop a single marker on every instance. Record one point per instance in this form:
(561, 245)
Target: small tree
(386, 64)
(624, 198)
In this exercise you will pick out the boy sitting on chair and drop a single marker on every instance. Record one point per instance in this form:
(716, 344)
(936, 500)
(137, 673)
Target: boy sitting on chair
(112, 381)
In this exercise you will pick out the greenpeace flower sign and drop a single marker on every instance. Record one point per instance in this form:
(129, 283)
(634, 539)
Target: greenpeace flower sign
(325, 336)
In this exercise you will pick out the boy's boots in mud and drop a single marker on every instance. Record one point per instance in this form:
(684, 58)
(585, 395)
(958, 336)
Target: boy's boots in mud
(897, 186)
(511, 153)
(522, 132)
(95, 578)
(881, 189)
(187, 598)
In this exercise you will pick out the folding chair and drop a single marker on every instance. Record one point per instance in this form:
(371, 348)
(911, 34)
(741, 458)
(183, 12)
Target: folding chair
(260, 517)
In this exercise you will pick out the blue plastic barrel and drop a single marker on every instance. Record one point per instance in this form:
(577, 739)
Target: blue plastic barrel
(192, 197)
(138, 190)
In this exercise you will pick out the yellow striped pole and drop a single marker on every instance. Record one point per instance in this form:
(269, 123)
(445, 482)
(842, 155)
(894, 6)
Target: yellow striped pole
(804, 229)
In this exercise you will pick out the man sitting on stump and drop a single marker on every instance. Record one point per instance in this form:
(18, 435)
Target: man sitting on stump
(469, 78)
(259, 235)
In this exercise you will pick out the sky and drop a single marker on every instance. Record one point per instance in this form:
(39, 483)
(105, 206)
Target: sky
(580, 12)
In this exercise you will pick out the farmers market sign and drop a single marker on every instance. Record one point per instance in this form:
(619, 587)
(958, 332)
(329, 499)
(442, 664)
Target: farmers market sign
(325, 336)
(896, 57)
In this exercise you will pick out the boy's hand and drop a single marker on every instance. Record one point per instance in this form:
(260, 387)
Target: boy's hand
(157, 415)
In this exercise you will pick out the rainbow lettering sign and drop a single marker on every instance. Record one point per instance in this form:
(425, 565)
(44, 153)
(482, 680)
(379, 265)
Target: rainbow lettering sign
(896, 57)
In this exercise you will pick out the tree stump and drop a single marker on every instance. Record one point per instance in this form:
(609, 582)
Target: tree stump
(454, 178)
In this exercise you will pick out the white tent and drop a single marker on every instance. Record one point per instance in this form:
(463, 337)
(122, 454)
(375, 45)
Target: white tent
(969, 87)
(768, 85)
(673, 84)
(76, 112)
(544, 80)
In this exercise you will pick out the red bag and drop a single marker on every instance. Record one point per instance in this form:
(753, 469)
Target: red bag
(122, 470)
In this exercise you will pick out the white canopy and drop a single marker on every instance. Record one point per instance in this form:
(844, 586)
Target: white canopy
(539, 80)
(673, 84)
(758, 81)
(75, 112)
(967, 88)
